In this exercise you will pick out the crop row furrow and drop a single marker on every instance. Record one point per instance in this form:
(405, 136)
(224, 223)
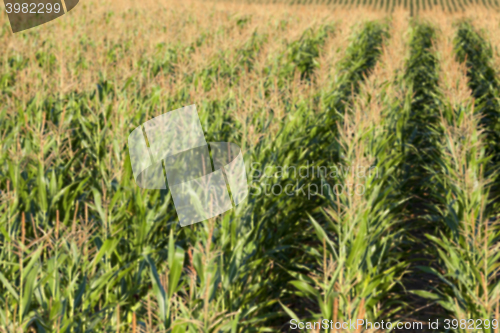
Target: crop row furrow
(364, 50)
(358, 264)
(416, 127)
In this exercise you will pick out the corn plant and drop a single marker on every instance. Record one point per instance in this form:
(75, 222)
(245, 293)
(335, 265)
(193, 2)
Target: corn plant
(472, 49)
(468, 247)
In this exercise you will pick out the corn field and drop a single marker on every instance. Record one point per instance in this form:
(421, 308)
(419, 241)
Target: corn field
(398, 101)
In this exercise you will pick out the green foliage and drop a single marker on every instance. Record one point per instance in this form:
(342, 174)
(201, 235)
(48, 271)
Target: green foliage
(304, 52)
(472, 49)
(467, 179)
(83, 249)
(360, 58)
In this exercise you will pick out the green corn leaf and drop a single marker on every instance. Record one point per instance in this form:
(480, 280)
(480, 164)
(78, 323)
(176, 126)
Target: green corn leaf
(175, 264)
(9, 287)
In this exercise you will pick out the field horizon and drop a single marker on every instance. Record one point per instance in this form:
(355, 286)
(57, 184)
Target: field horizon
(402, 97)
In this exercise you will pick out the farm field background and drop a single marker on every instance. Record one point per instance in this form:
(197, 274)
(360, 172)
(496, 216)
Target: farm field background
(409, 96)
